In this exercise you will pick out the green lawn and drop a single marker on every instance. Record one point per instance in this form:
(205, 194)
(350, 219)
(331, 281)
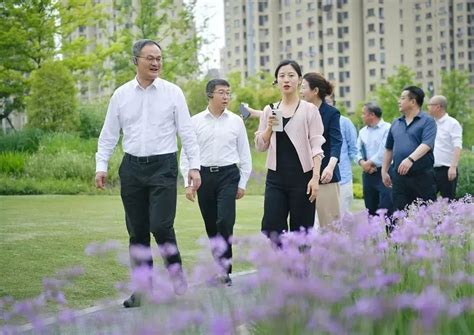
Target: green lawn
(41, 234)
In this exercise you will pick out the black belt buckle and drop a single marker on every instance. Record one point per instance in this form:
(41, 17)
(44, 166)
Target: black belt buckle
(213, 169)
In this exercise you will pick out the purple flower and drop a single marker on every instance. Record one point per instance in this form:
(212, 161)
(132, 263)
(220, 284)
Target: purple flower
(221, 325)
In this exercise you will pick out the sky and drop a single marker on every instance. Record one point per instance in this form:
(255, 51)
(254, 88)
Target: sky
(213, 10)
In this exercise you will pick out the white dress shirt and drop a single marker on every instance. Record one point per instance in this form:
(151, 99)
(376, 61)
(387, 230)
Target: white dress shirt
(222, 141)
(448, 137)
(149, 119)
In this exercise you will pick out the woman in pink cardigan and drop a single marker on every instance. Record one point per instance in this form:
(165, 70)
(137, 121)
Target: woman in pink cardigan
(294, 156)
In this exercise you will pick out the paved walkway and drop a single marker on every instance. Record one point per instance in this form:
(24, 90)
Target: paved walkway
(112, 318)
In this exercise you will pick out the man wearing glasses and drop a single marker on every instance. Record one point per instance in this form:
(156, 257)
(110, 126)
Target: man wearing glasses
(149, 111)
(448, 145)
(410, 142)
(226, 166)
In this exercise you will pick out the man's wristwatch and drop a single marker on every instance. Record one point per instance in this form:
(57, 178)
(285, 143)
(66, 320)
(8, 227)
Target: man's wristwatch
(411, 159)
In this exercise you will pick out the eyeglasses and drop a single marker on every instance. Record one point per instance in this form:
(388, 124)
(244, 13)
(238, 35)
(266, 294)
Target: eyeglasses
(223, 93)
(150, 59)
(433, 104)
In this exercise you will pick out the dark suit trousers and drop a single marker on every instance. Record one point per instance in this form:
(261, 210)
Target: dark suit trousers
(148, 191)
(408, 188)
(446, 187)
(376, 194)
(216, 198)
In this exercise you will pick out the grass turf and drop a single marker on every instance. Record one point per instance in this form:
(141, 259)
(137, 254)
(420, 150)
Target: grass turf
(42, 234)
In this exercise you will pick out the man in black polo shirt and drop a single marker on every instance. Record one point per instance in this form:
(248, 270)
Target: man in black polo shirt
(410, 144)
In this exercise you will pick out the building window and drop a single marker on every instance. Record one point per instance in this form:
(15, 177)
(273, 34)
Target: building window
(371, 27)
(299, 40)
(299, 27)
(330, 61)
(236, 23)
(372, 72)
(330, 46)
(372, 58)
(371, 42)
(371, 12)
(311, 35)
(288, 29)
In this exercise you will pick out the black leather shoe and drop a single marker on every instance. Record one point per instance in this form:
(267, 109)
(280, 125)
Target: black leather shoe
(133, 301)
(227, 281)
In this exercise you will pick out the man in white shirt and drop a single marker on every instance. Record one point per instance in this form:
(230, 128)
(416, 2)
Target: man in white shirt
(149, 111)
(447, 150)
(226, 164)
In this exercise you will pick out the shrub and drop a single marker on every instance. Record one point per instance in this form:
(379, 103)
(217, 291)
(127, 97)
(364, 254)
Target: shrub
(358, 191)
(51, 104)
(12, 162)
(466, 174)
(91, 119)
(29, 186)
(55, 143)
(26, 140)
(62, 165)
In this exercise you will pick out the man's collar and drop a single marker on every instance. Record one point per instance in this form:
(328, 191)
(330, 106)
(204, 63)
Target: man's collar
(443, 118)
(208, 112)
(136, 83)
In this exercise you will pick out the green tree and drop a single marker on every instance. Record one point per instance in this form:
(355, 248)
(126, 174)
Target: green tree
(387, 94)
(52, 104)
(195, 92)
(176, 34)
(29, 30)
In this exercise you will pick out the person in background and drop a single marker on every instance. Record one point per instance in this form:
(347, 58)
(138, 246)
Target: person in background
(448, 146)
(226, 164)
(410, 143)
(149, 111)
(370, 151)
(314, 89)
(293, 159)
(348, 155)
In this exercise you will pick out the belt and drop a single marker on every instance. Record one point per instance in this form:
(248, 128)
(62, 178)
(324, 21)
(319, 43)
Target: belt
(148, 159)
(214, 169)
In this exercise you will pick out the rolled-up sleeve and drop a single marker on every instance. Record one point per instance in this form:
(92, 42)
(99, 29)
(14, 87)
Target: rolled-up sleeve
(389, 142)
(456, 135)
(260, 143)
(186, 131)
(315, 133)
(428, 136)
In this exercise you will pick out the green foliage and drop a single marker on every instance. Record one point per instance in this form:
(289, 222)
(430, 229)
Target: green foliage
(358, 191)
(28, 186)
(195, 92)
(28, 30)
(26, 140)
(387, 94)
(52, 104)
(56, 143)
(176, 35)
(466, 174)
(91, 118)
(12, 162)
(458, 91)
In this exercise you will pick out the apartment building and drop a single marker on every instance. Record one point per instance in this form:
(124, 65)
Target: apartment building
(356, 44)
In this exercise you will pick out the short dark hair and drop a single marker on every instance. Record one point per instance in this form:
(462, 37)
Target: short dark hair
(140, 44)
(416, 93)
(285, 62)
(315, 79)
(211, 85)
(372, 107)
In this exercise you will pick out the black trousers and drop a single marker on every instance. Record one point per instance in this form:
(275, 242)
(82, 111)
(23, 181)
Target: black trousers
(285, 193)
(408, 188)
(216, 197)
(446, 187)
(148, 191)
(376, 194)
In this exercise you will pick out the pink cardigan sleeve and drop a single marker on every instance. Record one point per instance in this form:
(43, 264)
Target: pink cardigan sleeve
(260, 143)
(315, 132)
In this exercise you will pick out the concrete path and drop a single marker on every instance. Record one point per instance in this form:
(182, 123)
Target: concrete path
(113, 318)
